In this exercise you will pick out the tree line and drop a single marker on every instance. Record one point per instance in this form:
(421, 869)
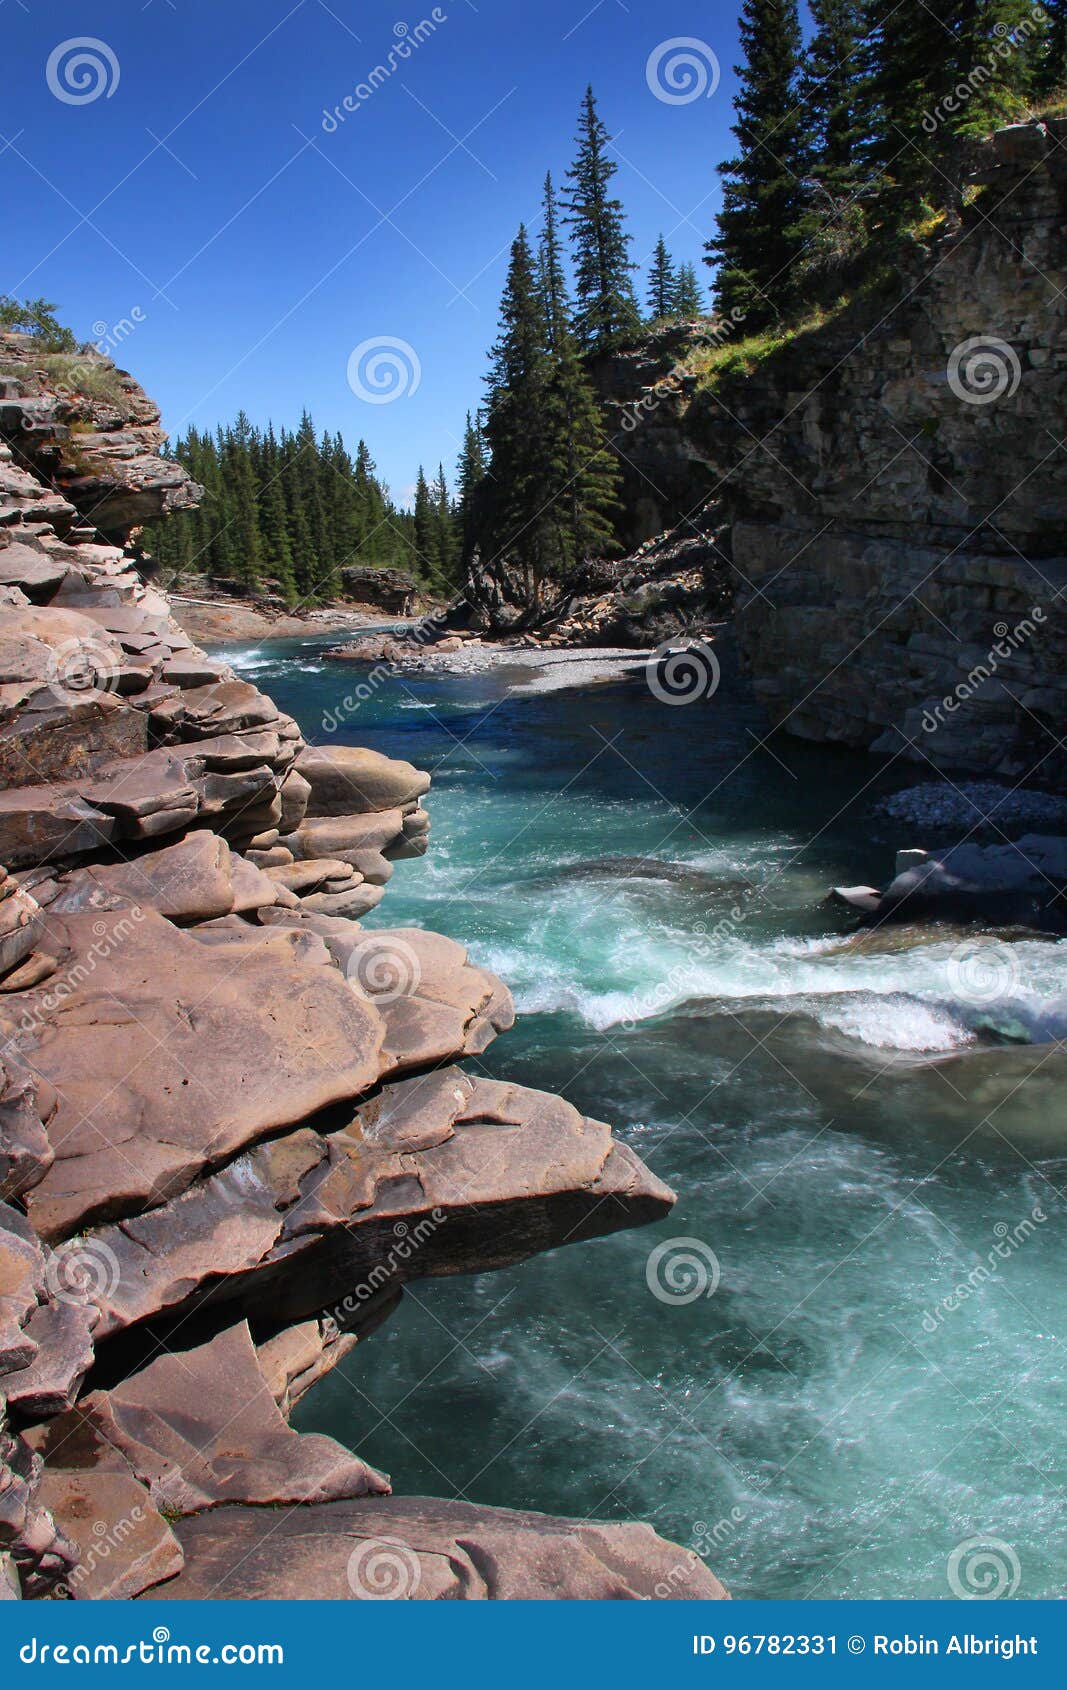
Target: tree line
(290, 511)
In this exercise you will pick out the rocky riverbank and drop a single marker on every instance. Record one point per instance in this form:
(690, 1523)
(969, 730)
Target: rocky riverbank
(233, 1122)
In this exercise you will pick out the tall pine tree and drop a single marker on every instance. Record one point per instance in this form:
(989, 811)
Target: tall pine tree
(606, 309)
(551, 277)
(689, 299)
(758, 235)
(834, 94)
(662, 283)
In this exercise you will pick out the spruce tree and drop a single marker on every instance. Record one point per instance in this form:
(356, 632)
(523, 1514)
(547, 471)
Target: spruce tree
(470, 478)
(758, 234)
(446, 543)
(606, 310)
(834, 94)
(584, 473)
(243, 491)
(662, 284)
(1051, 69)
(277, 551)
(918, 60)
(516, 526)
(689, 299)
(425, 528)
(551, 278)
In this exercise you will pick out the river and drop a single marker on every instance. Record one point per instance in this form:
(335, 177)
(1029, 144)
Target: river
(855, 1364)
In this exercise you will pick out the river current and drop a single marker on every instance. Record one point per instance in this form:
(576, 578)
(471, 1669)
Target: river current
(845, 1365)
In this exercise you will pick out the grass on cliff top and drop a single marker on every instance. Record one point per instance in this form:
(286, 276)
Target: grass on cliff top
(743, 357)
(77, 372)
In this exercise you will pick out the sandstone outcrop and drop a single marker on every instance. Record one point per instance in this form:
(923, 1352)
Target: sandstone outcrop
(233, 1121)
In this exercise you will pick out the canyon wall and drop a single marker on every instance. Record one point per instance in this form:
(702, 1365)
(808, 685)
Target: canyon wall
(233, 1122)
(888, 489)
(896, 488)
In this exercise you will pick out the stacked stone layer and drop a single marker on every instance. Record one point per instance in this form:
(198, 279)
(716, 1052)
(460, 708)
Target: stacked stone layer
(233, 1121)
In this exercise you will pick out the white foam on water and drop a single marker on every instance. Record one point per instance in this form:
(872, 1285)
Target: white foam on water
(893, 1022)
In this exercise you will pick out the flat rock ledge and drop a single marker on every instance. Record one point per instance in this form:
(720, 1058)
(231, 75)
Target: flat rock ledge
(234, 1122)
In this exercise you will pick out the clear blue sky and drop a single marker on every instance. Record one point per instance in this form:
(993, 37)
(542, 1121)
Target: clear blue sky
(204, 194)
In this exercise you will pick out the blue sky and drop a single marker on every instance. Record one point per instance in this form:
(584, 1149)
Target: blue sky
(199, 195)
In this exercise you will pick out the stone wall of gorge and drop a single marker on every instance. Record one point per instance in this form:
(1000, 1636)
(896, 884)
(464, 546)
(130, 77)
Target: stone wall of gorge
(895, 487)
(233, 1122)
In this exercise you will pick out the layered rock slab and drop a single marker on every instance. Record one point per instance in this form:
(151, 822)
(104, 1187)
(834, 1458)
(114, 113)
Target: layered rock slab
(436, 1175)
(418, 1549)
(164, 1060)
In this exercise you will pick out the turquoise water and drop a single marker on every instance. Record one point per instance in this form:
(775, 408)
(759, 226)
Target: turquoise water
(848, 1140)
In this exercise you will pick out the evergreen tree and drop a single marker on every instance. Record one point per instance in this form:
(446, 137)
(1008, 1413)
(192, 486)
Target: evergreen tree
(547, 499)
(551, 279)
(242, 491)
(918, 59)
(834, 94)
(274, 527)
(516, 431)
(471, 476)
(607, 310)
(689, 299)
(758, 227)
(425, 526)
(1051, 69)
(446, 538)
(583, 472)
(282, 511)
(662, 284)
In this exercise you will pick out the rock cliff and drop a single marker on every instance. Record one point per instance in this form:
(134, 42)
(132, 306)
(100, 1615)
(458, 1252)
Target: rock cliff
(233, 1122)
(895, 484)
(890, 487)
